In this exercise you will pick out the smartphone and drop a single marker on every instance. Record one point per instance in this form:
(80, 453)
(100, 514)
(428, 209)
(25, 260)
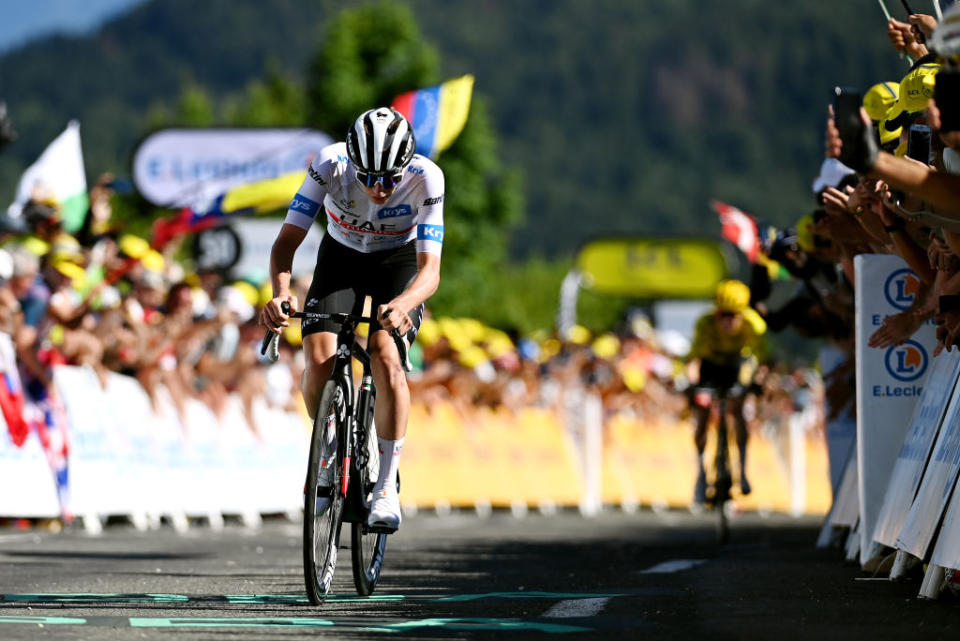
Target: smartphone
(918, 144)
(846, 114)
(946, 93)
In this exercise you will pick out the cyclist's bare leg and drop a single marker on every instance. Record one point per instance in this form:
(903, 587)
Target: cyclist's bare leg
(702, 417)
(319, 350)
(393, 395)
(391, 412)
(740, 428)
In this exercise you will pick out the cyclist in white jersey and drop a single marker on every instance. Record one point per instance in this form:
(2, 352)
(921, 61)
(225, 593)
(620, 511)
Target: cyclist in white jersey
(384, 211)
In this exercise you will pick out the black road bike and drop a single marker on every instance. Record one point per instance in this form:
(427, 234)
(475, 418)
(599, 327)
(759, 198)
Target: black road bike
(719, 492)
(343, 464)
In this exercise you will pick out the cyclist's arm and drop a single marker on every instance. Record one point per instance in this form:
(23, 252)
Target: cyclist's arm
(424, 284)
(281, 269)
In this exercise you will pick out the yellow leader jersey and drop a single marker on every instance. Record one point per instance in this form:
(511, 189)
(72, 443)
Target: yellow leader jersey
(710, 344)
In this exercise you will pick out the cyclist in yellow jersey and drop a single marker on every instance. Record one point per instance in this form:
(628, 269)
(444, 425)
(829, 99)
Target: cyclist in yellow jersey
(726, 342)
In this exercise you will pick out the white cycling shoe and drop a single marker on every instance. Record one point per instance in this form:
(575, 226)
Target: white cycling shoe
(385, 512)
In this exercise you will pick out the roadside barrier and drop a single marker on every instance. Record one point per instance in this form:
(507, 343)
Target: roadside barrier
(127, 457)
(907, 460)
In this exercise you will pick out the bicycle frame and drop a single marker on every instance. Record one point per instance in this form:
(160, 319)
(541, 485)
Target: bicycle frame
(347, 350)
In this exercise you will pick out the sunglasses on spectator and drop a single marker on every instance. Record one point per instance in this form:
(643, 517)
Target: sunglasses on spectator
(389, 181)
(726, 315)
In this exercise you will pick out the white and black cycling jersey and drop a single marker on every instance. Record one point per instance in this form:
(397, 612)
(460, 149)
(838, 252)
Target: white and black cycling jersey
(414, 210)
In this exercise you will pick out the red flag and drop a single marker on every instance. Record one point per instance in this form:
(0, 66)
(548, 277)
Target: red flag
(739, 228)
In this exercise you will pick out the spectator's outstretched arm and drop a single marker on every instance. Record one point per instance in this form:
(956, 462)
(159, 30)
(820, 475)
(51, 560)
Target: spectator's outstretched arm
(940, 190)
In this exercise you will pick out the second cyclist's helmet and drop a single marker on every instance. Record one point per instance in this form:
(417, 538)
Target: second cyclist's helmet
(381, 141)
(732, 296)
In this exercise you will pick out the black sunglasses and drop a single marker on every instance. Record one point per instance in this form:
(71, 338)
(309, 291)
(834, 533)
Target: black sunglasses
(389, 181)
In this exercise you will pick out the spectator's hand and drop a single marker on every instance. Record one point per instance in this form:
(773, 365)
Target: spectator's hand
(903, 38)
(922, 23)
(860, 152)
(948, 330)
(940, 255)
(391, 316)
(272, 316)
(836, 202)
(895, 330)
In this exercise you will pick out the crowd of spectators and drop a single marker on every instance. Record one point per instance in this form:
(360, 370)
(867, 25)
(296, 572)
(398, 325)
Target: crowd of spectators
(108, 300)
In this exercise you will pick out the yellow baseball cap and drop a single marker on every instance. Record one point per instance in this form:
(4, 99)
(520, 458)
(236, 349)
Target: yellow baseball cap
(880, 98)
(916, 90)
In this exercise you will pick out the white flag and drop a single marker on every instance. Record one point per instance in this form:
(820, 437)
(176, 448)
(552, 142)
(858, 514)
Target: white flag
(57, 173)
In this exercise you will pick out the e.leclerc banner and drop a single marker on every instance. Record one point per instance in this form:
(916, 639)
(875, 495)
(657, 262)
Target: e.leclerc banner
(912, 459)
(889, 380)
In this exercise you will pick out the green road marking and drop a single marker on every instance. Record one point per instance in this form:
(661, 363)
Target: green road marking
(228, 622)
(476, 624)
(526, 595)
(43, 620)
(93, 597)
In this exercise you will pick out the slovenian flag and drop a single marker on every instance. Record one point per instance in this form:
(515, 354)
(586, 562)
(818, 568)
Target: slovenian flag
(58, 173)
(438, 113)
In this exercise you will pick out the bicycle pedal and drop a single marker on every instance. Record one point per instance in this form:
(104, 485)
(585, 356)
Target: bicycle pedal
(379, 529)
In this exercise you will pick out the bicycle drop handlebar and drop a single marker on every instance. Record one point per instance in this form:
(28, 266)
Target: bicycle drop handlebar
(270, 347)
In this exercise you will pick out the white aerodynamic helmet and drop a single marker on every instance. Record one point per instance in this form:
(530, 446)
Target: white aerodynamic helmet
(380, 142)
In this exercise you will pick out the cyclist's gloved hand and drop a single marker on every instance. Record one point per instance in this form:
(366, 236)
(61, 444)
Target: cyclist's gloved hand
(272, 315)
(860, 152)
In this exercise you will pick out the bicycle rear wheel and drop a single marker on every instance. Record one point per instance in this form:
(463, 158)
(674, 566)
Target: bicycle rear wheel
(323, 506)
(724, 481)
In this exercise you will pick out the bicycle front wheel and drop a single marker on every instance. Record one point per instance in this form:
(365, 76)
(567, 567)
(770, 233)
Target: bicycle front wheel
(323, 501)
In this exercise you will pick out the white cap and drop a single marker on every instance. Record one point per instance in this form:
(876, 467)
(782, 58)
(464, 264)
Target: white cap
(832, 171)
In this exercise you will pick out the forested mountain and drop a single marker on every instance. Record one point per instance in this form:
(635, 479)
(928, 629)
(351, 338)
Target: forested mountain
(623, 115)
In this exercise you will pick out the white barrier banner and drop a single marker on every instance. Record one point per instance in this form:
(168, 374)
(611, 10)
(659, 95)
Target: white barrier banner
(846, 505)
(27, 487)
(915, 451)
(946, 551)
(188, 167)
(889, 381)
(129, 459)
(938, 479)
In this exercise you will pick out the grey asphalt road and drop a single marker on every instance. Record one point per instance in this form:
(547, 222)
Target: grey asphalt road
(631, 576)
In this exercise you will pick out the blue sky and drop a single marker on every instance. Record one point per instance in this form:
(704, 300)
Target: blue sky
(24, 20)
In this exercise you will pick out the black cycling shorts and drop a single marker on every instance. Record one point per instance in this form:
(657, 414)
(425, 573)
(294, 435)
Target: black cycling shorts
(719, 376)
(344, 277)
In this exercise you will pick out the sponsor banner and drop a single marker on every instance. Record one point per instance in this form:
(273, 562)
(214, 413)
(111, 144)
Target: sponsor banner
(841, 430)
(889, 380)
(28, 486)
(946, 551)
(191, 167)
(256, 241)
(935, 487)
(653, 267)
(915, 451)
(128, 458)
(846, 505)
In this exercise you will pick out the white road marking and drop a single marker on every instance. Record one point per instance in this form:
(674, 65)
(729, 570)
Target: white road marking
(576, 608)
(675, 565)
